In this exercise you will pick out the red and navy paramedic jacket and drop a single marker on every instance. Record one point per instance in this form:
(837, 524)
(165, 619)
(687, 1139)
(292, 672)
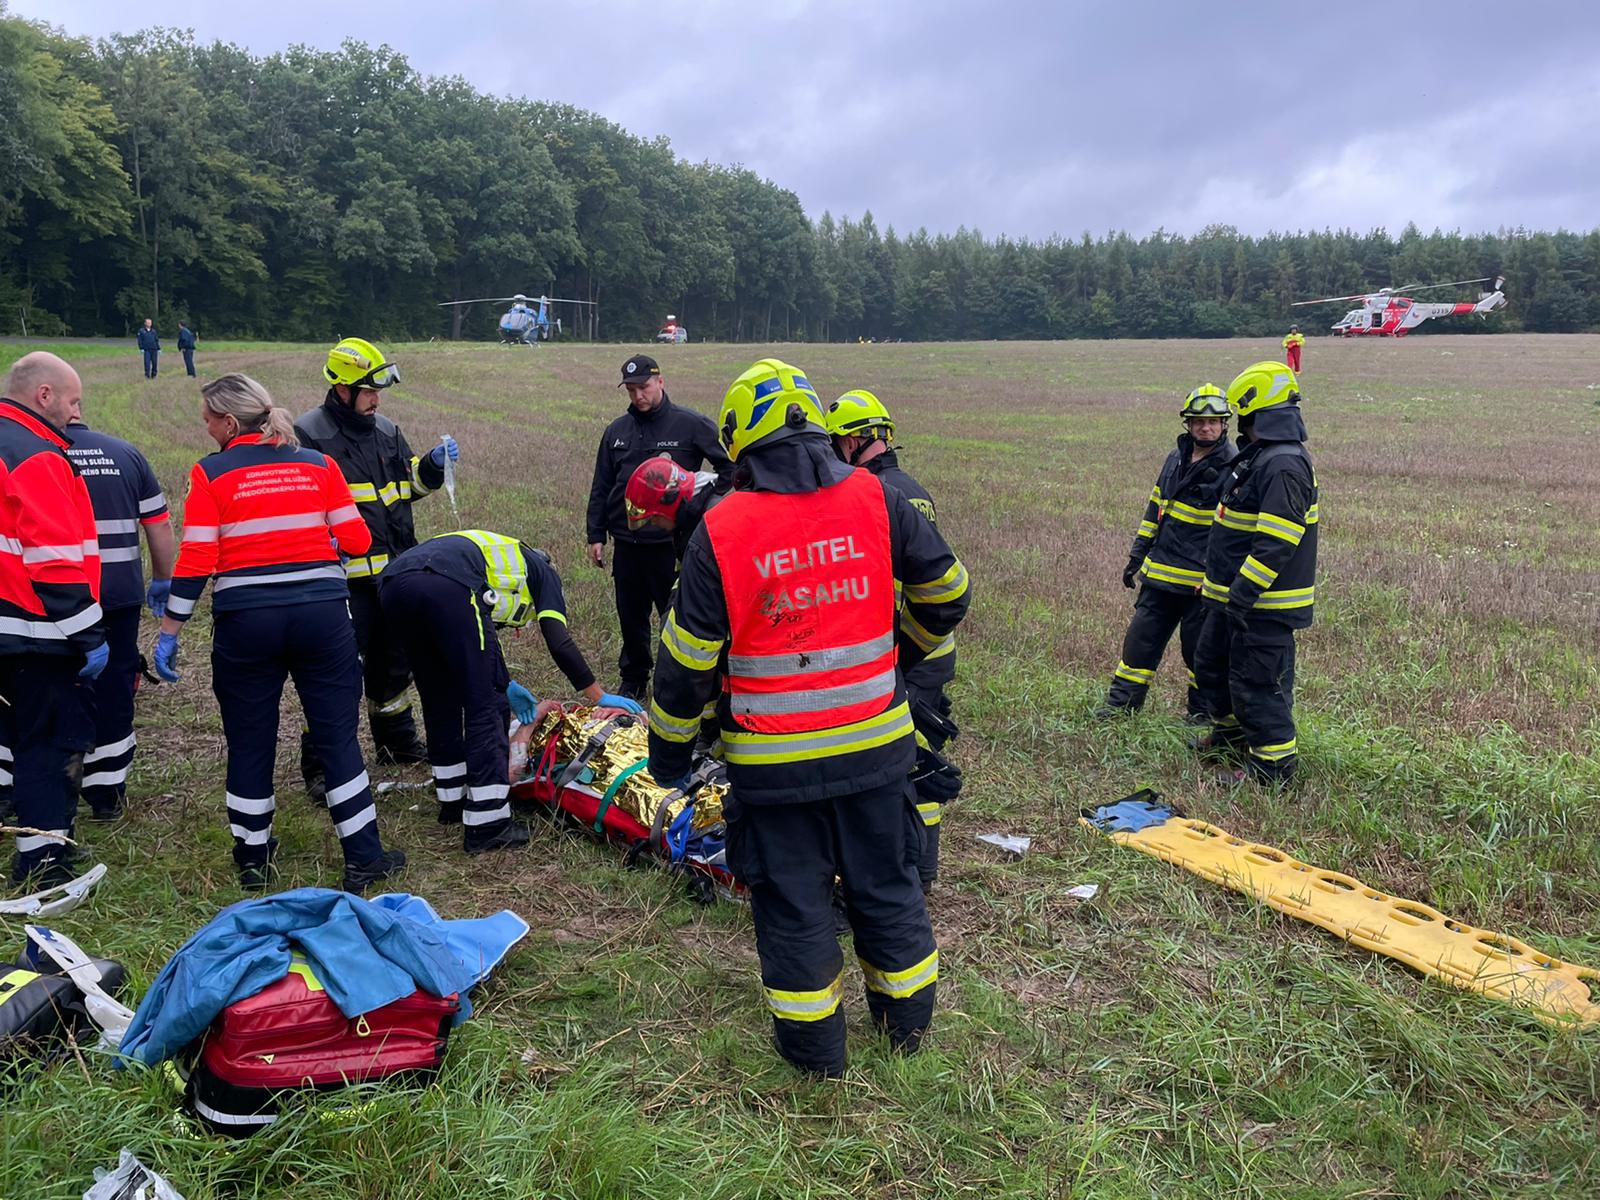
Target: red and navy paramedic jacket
(125, 495)
(264, 520)
(49, 557)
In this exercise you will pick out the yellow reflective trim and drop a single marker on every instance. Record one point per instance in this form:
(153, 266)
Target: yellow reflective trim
(695, 653)
(389, 493)
(1281, 527)
(932, 813)
(1155, 495)
(952, 585)
(299, 966)
(550, 614)
(1212, 590)
(1189, 513)
(900, 984)
(1166, 573)
(1287, 598)
(1274, 753)
(1257, 572)
(806, 1006)
(405, 489)
(1147, 529)
(1134, 674)
(1233, 519)
(766, 749)
(1311, 513)
(13, 982)
(948, 646)
(361, 568)
(418, 488)
(363, 493)
(913, 629)
(673, 729)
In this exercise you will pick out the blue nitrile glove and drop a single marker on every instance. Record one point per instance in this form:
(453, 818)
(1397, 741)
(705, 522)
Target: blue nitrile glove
(155, 598)
(607, 700)
(522, 702)
(447, 446)
(95, 662)
(167, 657)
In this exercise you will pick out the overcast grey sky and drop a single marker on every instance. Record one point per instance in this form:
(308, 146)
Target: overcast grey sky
(1029, 119)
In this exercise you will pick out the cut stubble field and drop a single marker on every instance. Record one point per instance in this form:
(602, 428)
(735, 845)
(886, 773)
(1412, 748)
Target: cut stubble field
(1167, 1038)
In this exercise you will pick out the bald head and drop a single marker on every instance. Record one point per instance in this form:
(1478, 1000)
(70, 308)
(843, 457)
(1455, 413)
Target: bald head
(45, 383)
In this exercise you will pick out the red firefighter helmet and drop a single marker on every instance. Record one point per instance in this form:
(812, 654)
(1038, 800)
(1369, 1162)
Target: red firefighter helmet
(655, 489)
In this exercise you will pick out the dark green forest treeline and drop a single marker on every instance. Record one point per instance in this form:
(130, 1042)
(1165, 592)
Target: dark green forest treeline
(307, 195)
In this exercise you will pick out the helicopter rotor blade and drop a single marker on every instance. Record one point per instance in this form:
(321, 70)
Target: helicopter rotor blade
(1435, 286)
(477, 300)
(1330, 299)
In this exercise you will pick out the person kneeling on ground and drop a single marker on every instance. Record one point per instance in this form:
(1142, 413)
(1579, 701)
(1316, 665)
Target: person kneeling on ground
(1169, 552)
(447, 597)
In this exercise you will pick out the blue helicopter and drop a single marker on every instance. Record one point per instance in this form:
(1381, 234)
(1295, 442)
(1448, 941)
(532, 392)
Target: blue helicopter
(527, 322)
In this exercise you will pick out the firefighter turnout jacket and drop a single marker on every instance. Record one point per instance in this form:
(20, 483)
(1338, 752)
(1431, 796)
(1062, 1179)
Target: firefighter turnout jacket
(799, 596)
(49, 553)
(684, 435)
(1171, 543)
(939, 667)
(1262, 552)
(265, 521)
(384, 476)
(514, 583)
(126, 495)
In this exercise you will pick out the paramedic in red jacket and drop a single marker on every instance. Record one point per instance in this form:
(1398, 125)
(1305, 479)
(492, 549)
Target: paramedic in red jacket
(50, 620)
(270, 520)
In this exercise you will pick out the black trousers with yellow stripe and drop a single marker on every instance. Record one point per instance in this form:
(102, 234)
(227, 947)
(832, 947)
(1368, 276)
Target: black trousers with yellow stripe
(1156, 614)
(788, 856)
(1246, 676)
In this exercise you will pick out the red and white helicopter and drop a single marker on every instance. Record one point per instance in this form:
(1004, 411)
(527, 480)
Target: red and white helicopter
(1386, 313)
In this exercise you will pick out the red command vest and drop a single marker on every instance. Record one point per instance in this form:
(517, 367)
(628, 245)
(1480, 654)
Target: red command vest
(809, 583)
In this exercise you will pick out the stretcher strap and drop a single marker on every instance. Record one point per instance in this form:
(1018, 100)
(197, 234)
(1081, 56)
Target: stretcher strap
(611, 792)
(1477, 960)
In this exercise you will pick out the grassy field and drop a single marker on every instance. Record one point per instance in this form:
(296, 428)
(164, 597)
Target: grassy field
(1166, 1039)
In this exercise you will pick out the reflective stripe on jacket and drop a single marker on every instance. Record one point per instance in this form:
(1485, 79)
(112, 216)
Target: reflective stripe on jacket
(939, 667)
(1171, 541)
(125, 495)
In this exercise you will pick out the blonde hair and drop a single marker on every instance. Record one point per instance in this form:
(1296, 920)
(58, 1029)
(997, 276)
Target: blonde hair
(247, 402)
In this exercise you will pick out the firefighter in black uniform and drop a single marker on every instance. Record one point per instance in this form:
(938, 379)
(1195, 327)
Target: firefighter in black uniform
(126, 499)
(447, 597)
(1169, 551)
(643, 564)
(787, 615)
(385, 478)
(1260, 580)
(863, 432)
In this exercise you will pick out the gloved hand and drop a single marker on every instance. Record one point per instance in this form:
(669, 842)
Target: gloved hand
(1131, 571)
(166, 657)
(608, 700)
(95, 662)
(447, 446)
(522, 702)
(156, 597)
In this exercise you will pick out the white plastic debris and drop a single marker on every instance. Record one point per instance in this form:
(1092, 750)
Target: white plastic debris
(110, 1016)
(1010, 843)
(130, 1179)
(1084, 891)
(53, 901)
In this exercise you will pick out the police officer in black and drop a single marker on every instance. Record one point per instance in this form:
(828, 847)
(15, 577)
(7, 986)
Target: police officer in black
(385, 479)
(644, 565)
(1169, 553)
(1260, 580)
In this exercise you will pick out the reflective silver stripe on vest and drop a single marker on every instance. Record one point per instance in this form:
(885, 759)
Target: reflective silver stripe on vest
(747, 748)
(309, 520)
(114, 554)
(766, 666)
(116, 526)
(880, 686)
(332, 571)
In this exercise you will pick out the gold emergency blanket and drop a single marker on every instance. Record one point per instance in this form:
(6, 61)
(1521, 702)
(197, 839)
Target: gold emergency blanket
(626, 745)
